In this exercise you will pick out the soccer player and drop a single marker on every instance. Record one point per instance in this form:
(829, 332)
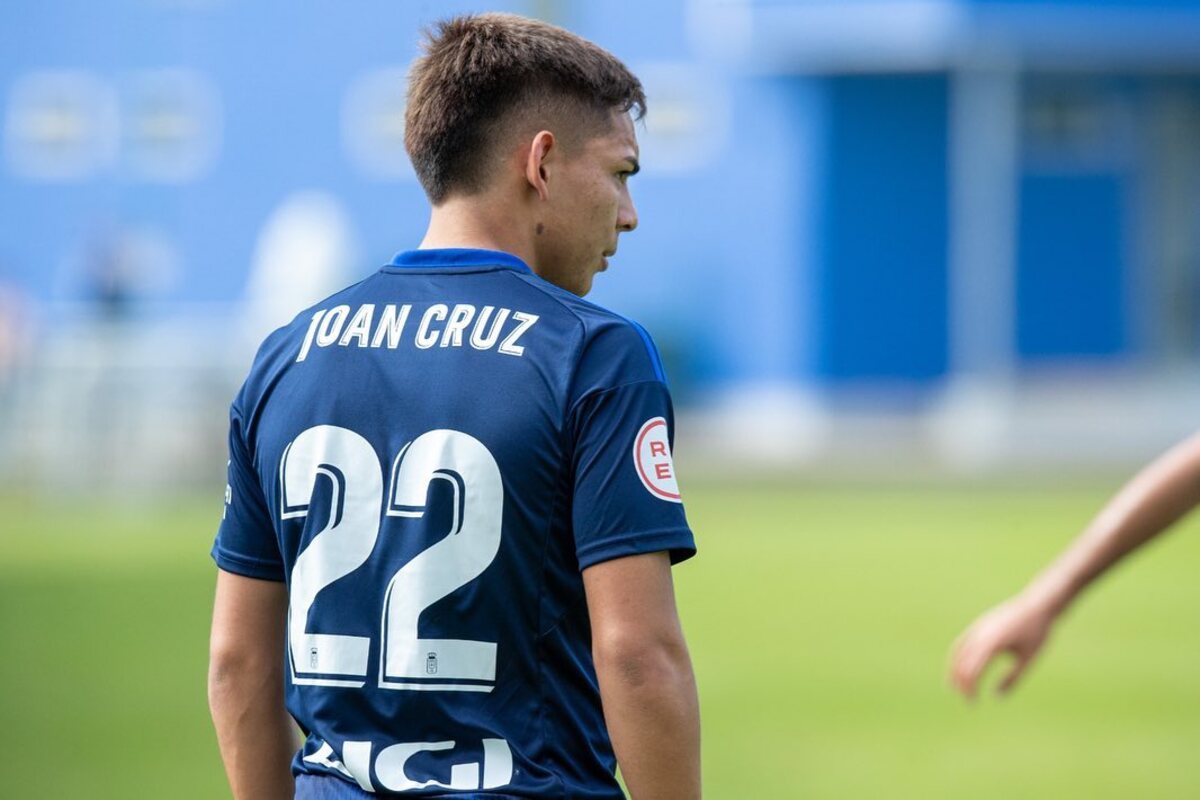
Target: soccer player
(452, 511)
(1149, 504)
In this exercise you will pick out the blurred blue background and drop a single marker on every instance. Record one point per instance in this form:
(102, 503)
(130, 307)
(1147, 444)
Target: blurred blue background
(911, 234)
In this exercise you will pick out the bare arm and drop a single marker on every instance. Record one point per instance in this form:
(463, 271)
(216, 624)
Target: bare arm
(646, 680)
(245, 687)
(1149, 504)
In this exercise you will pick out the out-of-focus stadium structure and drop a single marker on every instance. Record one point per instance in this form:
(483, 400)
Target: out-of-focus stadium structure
(941, 234)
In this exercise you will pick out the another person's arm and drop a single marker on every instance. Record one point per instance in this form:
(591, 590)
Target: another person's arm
(645, 673)
(256, 735)
(1149, 504)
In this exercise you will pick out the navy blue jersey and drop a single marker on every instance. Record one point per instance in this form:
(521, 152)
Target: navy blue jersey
(429, 459)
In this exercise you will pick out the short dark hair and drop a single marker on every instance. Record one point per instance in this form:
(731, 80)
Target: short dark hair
(478, 70)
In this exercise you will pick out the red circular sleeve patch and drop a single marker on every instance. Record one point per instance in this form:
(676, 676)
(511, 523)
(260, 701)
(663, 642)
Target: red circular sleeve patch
(652, 458)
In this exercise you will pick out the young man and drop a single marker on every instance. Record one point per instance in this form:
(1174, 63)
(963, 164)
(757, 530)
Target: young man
(452, 510)
(1149, 504)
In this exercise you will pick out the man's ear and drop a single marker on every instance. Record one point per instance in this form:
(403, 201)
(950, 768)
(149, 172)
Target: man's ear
(539, 162)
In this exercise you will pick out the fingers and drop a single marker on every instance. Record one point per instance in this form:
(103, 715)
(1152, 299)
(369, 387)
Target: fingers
(1023, 660)
(970, 659)
(989, 637)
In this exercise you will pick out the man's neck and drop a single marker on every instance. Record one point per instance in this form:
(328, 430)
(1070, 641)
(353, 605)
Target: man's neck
(477, 223)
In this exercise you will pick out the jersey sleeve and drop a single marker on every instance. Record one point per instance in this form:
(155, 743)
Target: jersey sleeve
(246, 542)
(626, 495)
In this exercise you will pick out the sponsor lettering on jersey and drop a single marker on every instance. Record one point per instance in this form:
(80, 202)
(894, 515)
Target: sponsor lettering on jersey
(494, 770)
(652, 459)
(440, 325)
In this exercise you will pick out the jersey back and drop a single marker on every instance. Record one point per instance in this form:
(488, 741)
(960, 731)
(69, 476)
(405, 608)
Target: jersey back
(429, 459)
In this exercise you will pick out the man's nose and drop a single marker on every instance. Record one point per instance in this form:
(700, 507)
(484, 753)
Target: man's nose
(627, 218)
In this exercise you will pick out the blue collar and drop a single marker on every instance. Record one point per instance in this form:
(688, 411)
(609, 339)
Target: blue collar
(458, 257)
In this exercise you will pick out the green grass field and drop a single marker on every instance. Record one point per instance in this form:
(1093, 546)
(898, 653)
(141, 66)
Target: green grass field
(819, 621)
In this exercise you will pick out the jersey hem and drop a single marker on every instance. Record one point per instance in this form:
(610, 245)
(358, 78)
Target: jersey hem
(680, 542)
(348, 787)
(245, 566)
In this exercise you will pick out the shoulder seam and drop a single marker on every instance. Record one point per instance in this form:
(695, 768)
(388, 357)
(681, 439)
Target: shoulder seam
(307, 310)
(607, 389)
(651, 352)
(521, 277)
(578, 348)
(655, 360)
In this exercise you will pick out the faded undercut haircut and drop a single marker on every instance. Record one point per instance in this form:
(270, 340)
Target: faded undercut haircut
(481, 73)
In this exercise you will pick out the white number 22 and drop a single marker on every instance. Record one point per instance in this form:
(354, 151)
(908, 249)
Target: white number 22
(349, 462)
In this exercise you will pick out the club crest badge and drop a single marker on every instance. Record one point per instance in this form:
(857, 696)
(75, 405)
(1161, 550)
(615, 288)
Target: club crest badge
(652, 459)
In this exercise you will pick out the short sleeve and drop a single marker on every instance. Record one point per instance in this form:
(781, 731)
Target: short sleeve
(626, 495)
(246, 542)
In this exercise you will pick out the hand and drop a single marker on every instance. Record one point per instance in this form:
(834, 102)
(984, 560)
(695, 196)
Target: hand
(1018, 626)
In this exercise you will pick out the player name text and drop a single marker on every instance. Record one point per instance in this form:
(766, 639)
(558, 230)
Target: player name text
(439, 325)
